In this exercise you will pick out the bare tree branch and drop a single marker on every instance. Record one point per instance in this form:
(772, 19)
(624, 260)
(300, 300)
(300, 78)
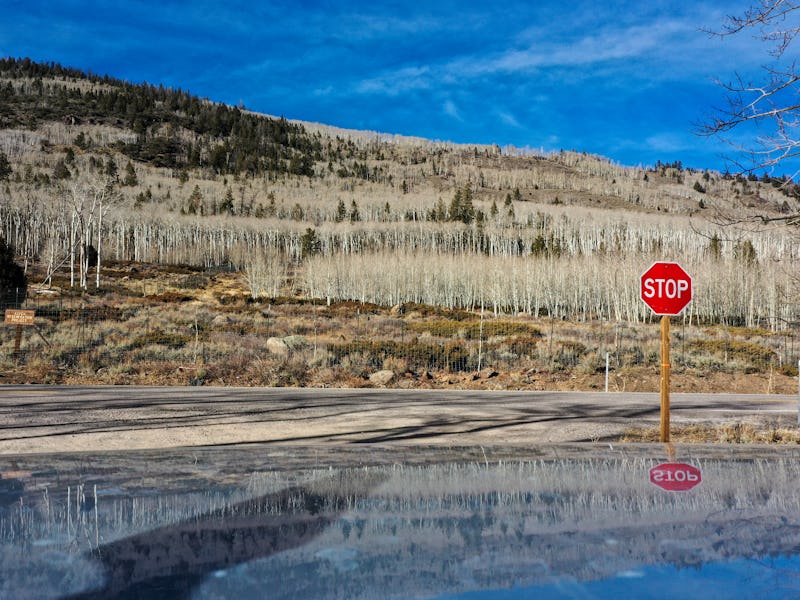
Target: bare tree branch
(771, 106)
(765, 16)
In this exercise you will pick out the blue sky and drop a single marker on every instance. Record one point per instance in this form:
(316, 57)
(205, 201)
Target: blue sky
(622, 79)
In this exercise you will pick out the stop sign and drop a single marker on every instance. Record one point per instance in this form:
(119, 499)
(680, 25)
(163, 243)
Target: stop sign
(675, 477)
(666, 288)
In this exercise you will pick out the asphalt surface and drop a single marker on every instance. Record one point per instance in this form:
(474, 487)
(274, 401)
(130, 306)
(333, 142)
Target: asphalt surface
(37, 419)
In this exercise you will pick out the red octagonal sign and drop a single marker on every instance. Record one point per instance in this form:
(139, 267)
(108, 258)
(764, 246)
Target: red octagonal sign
(675, 477)
(666, 288)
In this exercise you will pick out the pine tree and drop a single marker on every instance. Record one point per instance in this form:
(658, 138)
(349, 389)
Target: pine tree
(226, 207)
(111, 168)
(310, 243)
(454, 212)
(439, 212)
(355, 214)
(61, 171)
(81, 141)
(341, 212)
(195, 201)
(13, 282)
(130, 175)
(464, 209)
(745, 253)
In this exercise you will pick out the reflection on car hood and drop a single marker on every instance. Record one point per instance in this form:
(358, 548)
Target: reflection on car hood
(254, 523)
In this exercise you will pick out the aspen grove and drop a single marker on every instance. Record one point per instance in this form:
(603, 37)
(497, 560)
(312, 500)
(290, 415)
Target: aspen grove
(317, 212)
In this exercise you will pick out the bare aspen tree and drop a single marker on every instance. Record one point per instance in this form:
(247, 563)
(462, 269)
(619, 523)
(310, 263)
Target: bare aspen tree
(106, 198)
(88, 201)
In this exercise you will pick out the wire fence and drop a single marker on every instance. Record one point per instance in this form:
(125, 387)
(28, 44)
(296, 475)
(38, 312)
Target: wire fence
(173, 338)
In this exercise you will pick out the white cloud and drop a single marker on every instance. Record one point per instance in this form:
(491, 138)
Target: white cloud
(397, 82)
(621, 46)
(668, 142)
(508, 118)
(451, 110)
(663, 49)
(625, 47)
(326, 91)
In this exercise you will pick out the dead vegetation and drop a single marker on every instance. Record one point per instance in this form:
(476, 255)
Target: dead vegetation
(180, 326)
(726, 433)
(351, 252)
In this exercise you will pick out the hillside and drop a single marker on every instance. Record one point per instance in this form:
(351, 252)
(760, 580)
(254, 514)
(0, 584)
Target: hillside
(151, 174)
(366, 251)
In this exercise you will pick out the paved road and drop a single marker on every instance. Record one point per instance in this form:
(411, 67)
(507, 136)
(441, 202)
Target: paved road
(61, 418)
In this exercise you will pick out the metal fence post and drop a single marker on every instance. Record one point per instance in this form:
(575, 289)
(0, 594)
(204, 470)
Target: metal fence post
(480, 339)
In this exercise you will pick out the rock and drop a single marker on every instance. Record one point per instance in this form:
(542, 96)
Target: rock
(384, 377)
(488, 373)
(277, 346)
(397, 310)
(221, 321)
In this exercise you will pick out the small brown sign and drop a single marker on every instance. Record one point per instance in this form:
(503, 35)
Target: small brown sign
(16, 316)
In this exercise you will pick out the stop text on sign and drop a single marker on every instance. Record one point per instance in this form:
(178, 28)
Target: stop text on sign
(666, 288)
(675, 477)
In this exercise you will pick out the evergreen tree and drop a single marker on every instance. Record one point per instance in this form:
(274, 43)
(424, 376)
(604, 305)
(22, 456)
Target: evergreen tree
(195, 201)
(297, 213)
(439, 212)
(745, 253)
(81, 141)
(13, 282)
(468, 210)
(130, 175)
(461, 207)
(698, 187)
(111, 168)
(355, 214)
(341, 212)
(454, 212)
(227, 204)
(60, 171)
(310, 243)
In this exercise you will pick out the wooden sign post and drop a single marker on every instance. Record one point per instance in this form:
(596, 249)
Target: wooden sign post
(667, 289)
(665, 378)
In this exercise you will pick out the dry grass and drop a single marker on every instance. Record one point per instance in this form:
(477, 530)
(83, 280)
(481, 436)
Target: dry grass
(727, 433)
(180, 326)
